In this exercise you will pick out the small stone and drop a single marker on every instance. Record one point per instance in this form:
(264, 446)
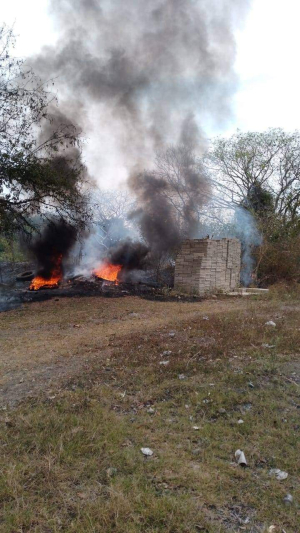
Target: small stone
(111, 472)
(250, 384)
(147, 452)
(196, 428)
(279, 474)
(288, 499)
(270, 323)
(268, 345)
(240, 421)
(172, 334)
(151, 411)
(222, 411)
(167, 352)
(181, 376)
(164, 363)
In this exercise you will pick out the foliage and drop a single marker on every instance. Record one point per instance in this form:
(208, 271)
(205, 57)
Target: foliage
(258, 169)
(260, 172)
(40, 167)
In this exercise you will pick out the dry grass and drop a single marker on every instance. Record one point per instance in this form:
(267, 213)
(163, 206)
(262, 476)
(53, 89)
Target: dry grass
(71, 459)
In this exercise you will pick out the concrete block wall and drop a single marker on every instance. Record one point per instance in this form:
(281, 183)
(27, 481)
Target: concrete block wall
(205, 265)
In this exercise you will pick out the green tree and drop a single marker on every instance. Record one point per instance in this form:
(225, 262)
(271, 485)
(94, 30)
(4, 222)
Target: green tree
(40, 164)
(260, 171)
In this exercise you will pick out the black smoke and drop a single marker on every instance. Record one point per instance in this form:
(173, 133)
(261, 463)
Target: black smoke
(54, 244)
(133, 72)
(169, 198)
(131, 255)
(140, 75)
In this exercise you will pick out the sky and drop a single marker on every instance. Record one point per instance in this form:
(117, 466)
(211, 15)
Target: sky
(267, 50)
(267, 61)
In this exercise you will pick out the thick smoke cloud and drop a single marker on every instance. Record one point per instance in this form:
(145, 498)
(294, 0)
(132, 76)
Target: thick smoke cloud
(141, 69)
(56, 242)
(169, 198)
(137, 76)
(131, 255)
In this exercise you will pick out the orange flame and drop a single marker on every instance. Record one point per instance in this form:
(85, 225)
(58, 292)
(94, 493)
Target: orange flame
(108, 271)
(39, 282)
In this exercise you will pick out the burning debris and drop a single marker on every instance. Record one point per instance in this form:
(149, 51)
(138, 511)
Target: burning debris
(42, 282)
(108, 272)
(49, 251)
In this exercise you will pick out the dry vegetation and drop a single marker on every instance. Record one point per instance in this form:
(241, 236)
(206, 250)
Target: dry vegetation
(70, 449)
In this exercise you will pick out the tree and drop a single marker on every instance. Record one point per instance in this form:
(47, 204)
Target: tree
(110, 217)
(40, 165)
(260, 171)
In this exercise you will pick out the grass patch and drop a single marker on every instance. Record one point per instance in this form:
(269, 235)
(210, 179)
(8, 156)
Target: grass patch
(72, 461)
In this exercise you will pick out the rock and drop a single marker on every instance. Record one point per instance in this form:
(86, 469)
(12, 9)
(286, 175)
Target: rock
(147, 452)
(111, 472)
(222, 411)
(240, 458)
(196, 428)
(240, 421)
(279, 474)
(270, 323)
(250, 384)
(181, 376)
(205, 318)
(268, 345)
(164, 363)
(172, 334)
(167, 352)
(288, 499)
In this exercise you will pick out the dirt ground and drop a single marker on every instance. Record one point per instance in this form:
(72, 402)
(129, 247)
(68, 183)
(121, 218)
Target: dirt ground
(87, 383)
(45, 344)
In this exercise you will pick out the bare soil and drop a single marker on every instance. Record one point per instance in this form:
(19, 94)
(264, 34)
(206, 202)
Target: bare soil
(45, 344)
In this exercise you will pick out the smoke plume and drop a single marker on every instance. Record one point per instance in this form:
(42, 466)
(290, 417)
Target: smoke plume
(55, 242)
(131, 255)
(138, 75)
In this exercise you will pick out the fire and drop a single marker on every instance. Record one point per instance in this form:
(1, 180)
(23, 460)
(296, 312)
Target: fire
(40, 282)
(108, 271)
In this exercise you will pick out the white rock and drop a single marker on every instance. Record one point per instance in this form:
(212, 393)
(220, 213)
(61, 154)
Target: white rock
(151, 411)
(240, 421)
(268, 345)
(288, 499)
(279, 474)
(167, 352)
(196, 428)
(147, 451)
(181, 376)
(270, 323)
(164, 363)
